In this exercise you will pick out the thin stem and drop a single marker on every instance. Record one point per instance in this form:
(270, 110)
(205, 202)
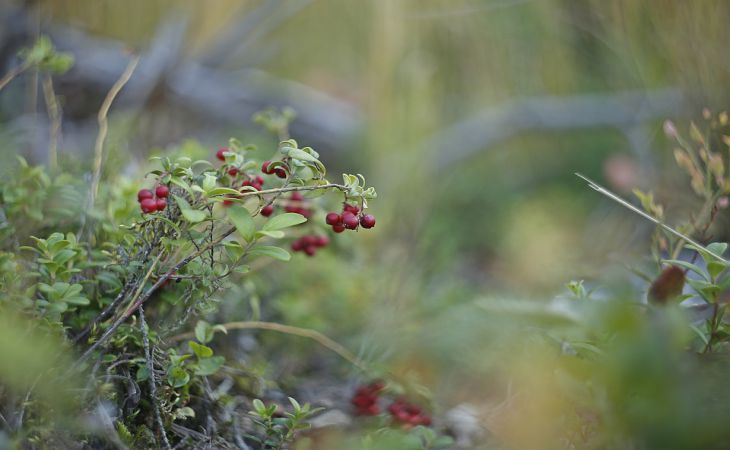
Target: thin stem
(151, 377)
(54, 114)
(296, 331)
(104, 126)
(14, 72)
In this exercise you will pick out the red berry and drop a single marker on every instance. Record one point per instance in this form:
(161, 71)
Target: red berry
(233, 171)
(220, 153)
(297, 196)
(259, 180)
(333, 218)
(265, 168)
(309, 240)
(143, 194)
(228, 203)
(310, 250)
(291, 209)
(351, 208)
(162, 191)
(367, 221)
(267, 210)
(349, 220)
(149, 205)
(161, 204)
(280, 172)
(321, 241)
(338, 228)
(297, 245)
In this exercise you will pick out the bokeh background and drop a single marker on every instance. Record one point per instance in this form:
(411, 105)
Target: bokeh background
(469, 116)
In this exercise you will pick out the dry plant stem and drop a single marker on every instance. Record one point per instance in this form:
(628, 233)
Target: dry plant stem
(12, 74)
(151, 377)
(296, 331)
(54, 114)
(104, 126)
(633, 208)
(140, 299)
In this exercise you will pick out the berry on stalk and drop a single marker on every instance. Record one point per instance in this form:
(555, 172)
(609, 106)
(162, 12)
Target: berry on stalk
(144, 194)
(162, 191)
(220, 154)
(367, 221)
(267, 210)
(148, 205)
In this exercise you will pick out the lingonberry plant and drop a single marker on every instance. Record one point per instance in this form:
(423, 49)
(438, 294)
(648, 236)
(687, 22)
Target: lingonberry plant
(124, 290)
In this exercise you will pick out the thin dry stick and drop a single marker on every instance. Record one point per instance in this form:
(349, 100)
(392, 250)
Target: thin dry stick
(12, 74)
(54, 114)
(151, 377)
(296, 331)
(104, 126)
(633, 208)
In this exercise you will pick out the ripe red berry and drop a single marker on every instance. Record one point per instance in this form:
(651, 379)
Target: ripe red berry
(367, 221)
(280, 172)
(310, 250)
(322, 241)
(351, 208)
(143, 194)
(297, 245)
(265, 168)
(349, 220)
(309, 240)
(220, 153)
(148, 205)
(233, 171)
(297, 196)
(259, 180)
(162, 191)
(333, 218)
(338, 228)
(267, 210)
(161, 204)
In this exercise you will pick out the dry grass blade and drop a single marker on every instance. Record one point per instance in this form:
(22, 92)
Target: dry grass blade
(647, 216)
(104, 125)
(295, 331)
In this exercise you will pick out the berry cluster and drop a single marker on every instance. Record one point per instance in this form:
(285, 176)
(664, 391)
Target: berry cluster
(366, 400)
(350, 218)
(366, 397)
(151, 202)
(268, 170)
(408, 414)
(297, 205)
(309, 244)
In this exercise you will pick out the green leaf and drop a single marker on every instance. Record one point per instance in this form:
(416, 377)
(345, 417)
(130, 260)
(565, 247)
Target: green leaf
(282, 221)
(191, 215)
(178, 377)
(259, 407)
(272, 234)
(243, 221)
(203, 332)
(201, 351)
(687, 265)
(209, 366)
(271, 251)
(222, 191)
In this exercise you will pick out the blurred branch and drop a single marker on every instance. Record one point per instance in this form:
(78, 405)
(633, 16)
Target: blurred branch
(223, 96)
(499, 123)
